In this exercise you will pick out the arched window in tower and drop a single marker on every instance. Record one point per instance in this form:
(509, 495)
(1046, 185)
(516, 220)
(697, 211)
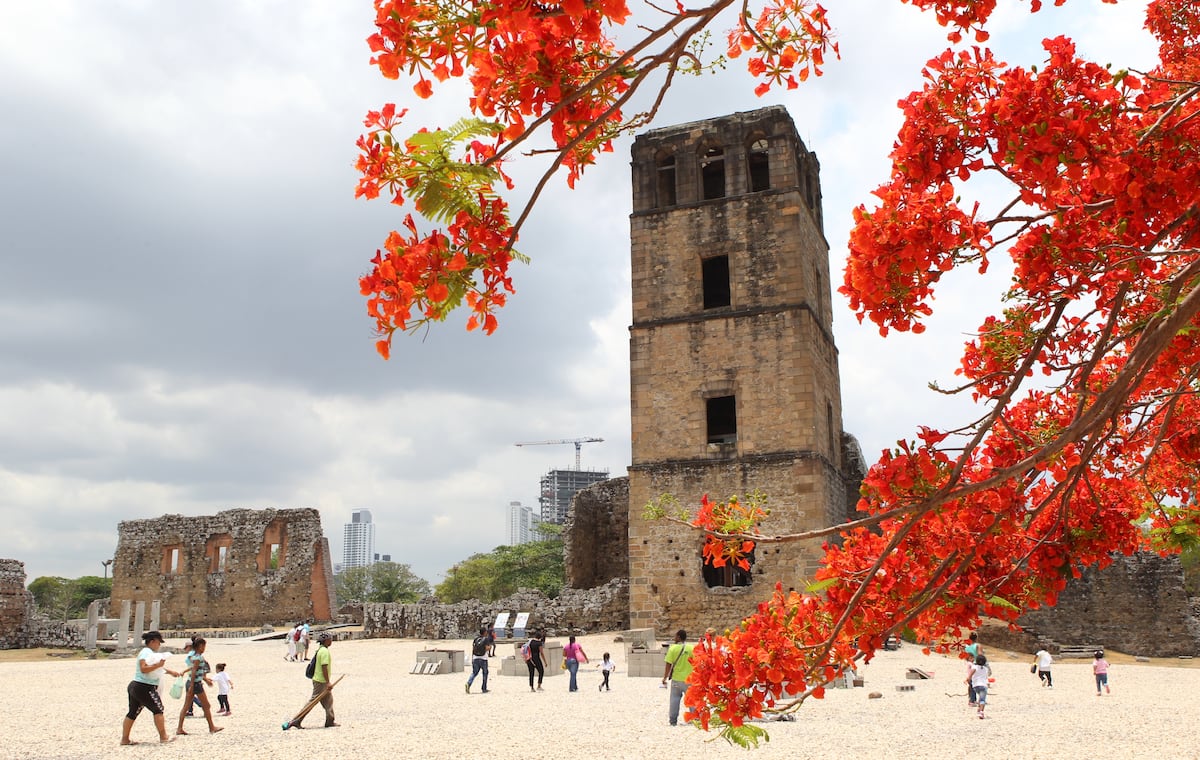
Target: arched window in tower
(758, 162)
(712, 172)
(728, 575)
(665, 188)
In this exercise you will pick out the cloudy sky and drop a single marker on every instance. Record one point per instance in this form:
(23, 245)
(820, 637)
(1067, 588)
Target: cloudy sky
(180, 325)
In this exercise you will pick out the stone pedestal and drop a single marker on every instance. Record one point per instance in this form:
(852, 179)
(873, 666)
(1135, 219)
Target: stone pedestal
(513, 666)
(645, 664)
(643, 654)
(453, 660)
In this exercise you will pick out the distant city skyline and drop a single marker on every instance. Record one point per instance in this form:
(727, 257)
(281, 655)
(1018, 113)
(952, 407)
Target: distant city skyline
(522, 525)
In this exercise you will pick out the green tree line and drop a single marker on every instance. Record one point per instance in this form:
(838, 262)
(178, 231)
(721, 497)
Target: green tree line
(496, 574)
(381, 582)
(65, 598)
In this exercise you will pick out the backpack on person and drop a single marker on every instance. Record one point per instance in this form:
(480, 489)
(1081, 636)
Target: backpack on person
(311, 670)
(479, 647)
(296, 635)
(527, 652)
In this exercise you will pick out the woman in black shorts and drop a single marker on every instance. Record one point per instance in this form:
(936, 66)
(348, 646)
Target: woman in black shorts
(143, 689)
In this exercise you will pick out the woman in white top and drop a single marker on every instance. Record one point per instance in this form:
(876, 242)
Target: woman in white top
(143, 689)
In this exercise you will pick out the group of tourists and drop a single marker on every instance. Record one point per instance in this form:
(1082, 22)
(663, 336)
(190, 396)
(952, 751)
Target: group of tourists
(979, 672)
(533, 652)
(144, 690)
(297, 642)
(1042, 661)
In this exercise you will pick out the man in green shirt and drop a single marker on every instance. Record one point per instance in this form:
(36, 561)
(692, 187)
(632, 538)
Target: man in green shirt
(677, 669)
(321, 679)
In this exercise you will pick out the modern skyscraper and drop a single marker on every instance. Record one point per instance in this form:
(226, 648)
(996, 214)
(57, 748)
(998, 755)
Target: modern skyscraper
(358, 545)
(522, 524)
(558, 486)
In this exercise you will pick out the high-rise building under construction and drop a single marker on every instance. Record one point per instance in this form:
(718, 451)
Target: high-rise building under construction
(558, 486)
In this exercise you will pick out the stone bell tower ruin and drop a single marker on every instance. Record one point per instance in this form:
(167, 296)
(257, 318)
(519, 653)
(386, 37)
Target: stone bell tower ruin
(734, 370)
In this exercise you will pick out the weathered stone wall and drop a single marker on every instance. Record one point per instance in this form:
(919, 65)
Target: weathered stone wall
(1136, 605)
(666, 572)
(55, 634)
(577, 611)
(771, 349)
(16, 603)
(21, 627)
(217, 570)
(596, 535)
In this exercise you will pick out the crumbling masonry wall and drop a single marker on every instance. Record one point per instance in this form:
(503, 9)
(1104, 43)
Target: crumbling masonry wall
(574, 611)
(235, 568)
(596, 535)
(16, 603)
(21, 627)
(1137, 605)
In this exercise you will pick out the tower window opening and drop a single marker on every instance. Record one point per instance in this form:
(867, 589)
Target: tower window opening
(714, 274)
(759, 164)
(666, 181)
(729, 575)
(712, 173)
(172, 562)
(833, 447)
(722, 419)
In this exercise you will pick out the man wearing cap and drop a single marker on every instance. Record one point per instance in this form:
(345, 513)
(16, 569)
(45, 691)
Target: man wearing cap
(321, 679)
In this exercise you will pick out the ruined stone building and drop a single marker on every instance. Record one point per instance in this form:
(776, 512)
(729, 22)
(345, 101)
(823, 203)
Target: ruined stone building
(235, 568)
(21, 626)
(16, 603)
(734, 371)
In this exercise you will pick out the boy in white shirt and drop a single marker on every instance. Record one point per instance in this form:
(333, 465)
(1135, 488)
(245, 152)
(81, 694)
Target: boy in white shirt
(977, 681)
(1043, 667)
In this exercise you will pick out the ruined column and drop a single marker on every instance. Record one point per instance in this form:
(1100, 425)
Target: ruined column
(93, 623)
(123, 626)
(139, 622)
(155, 609)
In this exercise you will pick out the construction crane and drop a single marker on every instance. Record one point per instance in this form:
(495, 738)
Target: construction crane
(577, 441)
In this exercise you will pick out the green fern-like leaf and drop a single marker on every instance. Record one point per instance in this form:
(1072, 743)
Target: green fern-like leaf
(817, 587)
(999, 601)
(659, 508)
(446, 186)
(745, 736)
